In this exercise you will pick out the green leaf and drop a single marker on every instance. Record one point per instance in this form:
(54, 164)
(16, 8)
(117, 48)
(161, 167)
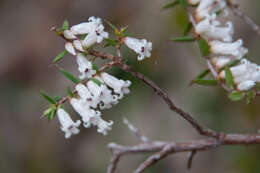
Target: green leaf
(50, 113)
(236, 96)
(95, 67)
(57, 98)
(203, 74)
(111, 25)
(83, 36)
(48, 98)
(250, 96)
(60, 56)
(184, 3)
(171, 4)
(204, 47)
(70, 92)
(65, 25)
(258, 85)
(111, 42)
(69, 76)
(128, 35)
(208, 82)
(229, 78)
(187, 29)
(183, 39)
(98, 82)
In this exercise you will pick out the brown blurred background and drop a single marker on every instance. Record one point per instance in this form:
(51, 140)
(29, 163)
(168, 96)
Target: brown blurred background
(29, 144)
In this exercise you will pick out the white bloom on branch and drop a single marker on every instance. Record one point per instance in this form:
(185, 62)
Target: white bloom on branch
(82, 107)
(67, 125)
(209, 7)
(119, 86)
(142, 47)
(83, 92)
(70, 48)
(68, 34)
(222, 61)
(78, 45)
(84, 67)
(103, 126)
(223, 48)
(86, 27)
(245, 74)
(211, 29)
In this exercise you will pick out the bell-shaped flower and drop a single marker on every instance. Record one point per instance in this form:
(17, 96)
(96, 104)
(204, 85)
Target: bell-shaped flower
(103, 126)
(97, 36)
(84, 67)
(78, 45)
(223, 48)
(68, 34)
(213, 31)
(119, 86)
(209, 7)
(70, 48)
(67, 125)
(246, 85)
(86, 27)
(142, 47)
(222, 61)
(82, 108)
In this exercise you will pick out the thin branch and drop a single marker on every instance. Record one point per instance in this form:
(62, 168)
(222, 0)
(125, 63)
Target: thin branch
(135, 131)
(191, 156)
(164, 148)
(236, 10)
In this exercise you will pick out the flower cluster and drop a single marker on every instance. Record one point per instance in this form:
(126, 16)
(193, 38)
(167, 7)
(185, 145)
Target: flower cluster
(220, 39)
(90, 99)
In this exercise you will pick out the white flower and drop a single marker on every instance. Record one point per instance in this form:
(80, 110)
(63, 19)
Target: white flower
(82, 107)
(245, 74)
(67, 125)
(222, 61)
(90, 116)
(141, 47)
(69, 34)
(223, 48)
(103, 126)
(78, 45)
(84, 67)
(94, 37)
(94, 30)
(70, 48)
(86, 27)
(244, 86)
(208, 7)
(208, 29)
(119, 86)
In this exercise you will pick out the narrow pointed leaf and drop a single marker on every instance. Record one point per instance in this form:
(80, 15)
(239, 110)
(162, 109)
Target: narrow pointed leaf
(183, 39)
(48, 98)
(184, 3)
(236, 96)
(69, 76)
(70, 92)
(209, 82)
(229, 78)
(203, 74)
(204, 47)
(111, 25)
(250, 96)
(187, 29)
(111, 42)
(171, 4)
(95, 67)
(60, 56)
(65, 25)
(98, 82)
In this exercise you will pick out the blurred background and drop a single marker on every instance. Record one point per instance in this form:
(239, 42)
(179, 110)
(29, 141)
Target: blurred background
(30, 144)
